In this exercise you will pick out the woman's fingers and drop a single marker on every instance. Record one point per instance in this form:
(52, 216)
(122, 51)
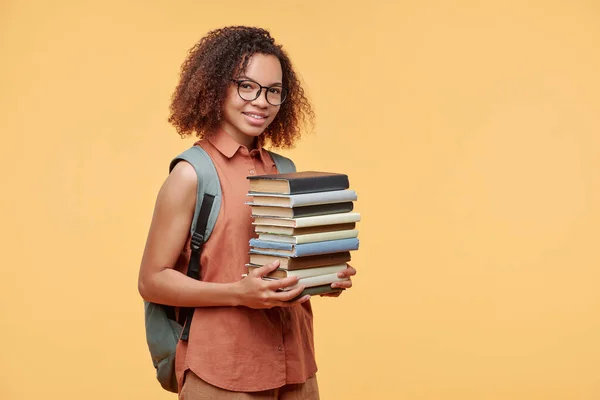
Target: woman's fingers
(266, 269)
(348, 272)
(276, 284)
(299, 301)
(285, 296)
(342, 284)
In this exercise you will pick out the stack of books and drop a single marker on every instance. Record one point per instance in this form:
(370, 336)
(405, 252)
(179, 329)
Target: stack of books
(306, 221)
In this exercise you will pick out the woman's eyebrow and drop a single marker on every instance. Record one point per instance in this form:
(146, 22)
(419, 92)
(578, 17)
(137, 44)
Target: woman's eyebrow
(243, 76)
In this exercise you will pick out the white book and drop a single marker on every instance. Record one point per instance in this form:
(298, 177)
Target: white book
(315, 281)
(290, 231)
(309, 238)
(317, 220)
(304, 272)
(299, 200)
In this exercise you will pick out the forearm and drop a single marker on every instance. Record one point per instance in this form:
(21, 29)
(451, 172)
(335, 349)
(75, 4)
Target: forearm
(173, 288)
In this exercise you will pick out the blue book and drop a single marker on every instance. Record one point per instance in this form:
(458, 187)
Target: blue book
(304, 249)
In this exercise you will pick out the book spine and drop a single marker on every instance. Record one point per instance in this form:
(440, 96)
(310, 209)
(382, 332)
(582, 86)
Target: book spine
(302, 273)
(330, 246)
(277, 238)
(320, 184)
(316, 281)
(322, 209)
(273, 252)
(315, 290)
(330, 219)
(338, 196)
(290, 263)
(324, 236)
(264, 244)
(308, 272)
(310, 237)
(309, 249)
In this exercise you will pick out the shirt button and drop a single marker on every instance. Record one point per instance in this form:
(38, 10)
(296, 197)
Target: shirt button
(252, 172)
(280, 348)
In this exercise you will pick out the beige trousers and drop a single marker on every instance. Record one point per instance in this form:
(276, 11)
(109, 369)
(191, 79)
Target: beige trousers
(195, 388)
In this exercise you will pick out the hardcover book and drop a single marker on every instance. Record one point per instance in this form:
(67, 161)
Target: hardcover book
(304, 222)
(301, 273)
(284, 230)
(299, 200)
(291, 263)
(316, 290)
(313, 281)
(299, 212)
(302, 250)
(309, 238)
(299, 182)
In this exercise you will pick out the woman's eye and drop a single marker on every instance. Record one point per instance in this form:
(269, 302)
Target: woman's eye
(275, 90)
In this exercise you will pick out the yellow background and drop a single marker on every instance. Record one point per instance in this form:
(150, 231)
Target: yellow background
(470, 130)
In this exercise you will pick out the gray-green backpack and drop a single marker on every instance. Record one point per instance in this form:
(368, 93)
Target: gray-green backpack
(163, 329)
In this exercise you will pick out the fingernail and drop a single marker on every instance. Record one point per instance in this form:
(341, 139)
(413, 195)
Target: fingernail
(307, 297)
(276, 262)
(334, 285)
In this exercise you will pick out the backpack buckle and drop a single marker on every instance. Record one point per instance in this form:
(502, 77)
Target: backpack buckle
(197, 241)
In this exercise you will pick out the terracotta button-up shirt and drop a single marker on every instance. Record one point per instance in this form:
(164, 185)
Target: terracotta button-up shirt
(239, 348)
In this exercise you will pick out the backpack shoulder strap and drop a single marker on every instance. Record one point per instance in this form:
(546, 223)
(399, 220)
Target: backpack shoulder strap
(208, 204)
(163, 329)
(208, 184)
(284, 165)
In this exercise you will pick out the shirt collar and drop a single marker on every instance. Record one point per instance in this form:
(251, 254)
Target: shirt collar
(224, 143)
(229, 147)
(264, 156)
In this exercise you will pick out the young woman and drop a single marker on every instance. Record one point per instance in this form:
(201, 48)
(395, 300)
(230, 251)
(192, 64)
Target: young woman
(238, 91)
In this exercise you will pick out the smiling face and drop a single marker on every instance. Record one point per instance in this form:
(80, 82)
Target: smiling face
(245, 120)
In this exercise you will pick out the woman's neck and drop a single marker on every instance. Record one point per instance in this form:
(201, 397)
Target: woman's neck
(247, 141)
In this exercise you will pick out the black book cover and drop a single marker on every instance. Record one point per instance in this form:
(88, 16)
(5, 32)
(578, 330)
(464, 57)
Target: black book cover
(322, 209)
(309, 181)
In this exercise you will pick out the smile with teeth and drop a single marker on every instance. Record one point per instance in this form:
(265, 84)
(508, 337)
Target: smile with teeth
(254, 116)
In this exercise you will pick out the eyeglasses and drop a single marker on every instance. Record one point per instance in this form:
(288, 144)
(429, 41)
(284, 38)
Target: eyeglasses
(249, 90)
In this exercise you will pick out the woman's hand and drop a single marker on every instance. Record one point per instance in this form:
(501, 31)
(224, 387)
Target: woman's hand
(346, 284)
(255, 292)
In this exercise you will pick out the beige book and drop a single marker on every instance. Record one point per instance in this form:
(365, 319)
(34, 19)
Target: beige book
(317, 220)
(309, 238)
(298, 200)
(313, 281)
(302, 273)
(285, 230)
(302, 262)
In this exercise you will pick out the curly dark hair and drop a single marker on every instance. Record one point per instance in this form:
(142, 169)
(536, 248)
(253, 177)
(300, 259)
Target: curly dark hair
(197, 103)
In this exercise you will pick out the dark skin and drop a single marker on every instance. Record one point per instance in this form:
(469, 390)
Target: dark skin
(158, 282)
(222, 55)
(247, 122)
(346, 274)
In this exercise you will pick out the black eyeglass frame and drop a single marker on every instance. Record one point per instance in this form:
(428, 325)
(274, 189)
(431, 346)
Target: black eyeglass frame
(261, 87)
